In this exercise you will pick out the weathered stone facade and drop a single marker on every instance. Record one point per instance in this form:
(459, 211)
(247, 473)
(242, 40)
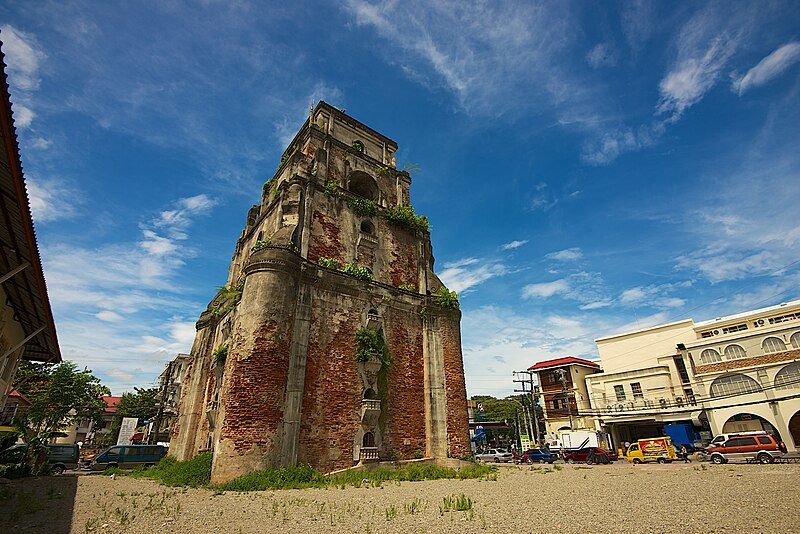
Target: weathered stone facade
(273, 378)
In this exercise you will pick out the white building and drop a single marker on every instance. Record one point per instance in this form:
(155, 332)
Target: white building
(740, 372)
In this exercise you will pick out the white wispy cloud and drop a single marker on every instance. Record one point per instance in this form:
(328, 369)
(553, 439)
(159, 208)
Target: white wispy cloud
(513, 244)
(466, 273)
(52, 199)
(568, 254)
(768, 68)
(23, 57)
(485, 54)
(118, 305)
(545, 289)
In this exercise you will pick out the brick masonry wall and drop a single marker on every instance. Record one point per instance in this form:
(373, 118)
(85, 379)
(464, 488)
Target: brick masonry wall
(256, 390)
(457, 417)
(333, 392)
(405, 425)
(326, 239)
(754, 361)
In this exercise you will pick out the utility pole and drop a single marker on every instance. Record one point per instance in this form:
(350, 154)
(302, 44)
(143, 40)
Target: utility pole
(165, 383)
(534, 399)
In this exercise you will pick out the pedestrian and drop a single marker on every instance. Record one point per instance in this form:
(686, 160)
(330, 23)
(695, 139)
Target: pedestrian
(684, 454)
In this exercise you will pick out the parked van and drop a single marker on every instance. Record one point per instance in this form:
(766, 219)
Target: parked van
(60, 456)
(128, 456)
(748, 446)
(660, 450)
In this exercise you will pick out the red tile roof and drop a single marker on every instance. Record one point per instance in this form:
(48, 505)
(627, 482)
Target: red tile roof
(111, 403)
(560, 362)
(17, 395)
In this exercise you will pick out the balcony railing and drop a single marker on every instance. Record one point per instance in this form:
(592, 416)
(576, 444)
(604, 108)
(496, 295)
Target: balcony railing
(370, 411)
(369, 454)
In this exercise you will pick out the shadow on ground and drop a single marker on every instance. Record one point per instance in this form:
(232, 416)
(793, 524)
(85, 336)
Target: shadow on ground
(38, 504)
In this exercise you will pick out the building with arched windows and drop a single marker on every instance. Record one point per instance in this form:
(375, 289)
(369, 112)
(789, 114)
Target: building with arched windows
(333, 341)
(729, 374)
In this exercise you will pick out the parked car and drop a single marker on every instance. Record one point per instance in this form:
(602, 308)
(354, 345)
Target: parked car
(590, 455)
(128, 456)
(494, 455)
(761, 447)
(60, 456)
(541, 456)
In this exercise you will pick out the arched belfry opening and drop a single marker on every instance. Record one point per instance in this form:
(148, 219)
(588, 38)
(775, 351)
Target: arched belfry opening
(363, 185)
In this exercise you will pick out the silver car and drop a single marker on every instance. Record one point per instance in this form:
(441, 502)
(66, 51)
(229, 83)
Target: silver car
(494, 455)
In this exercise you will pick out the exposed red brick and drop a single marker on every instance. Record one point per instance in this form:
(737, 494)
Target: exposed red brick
(254, 412)
(325, 242)
(457, 417)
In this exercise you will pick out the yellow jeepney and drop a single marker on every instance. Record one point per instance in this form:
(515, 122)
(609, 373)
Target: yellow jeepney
(659, 450)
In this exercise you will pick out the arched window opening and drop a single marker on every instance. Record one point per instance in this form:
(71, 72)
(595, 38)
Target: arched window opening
(795, 340)
(735, 384)
(735, 351)
(788, 377)
(368, 440)
(710, 356)
(358, 146)
(773, 344)
(367, 227)
(364, 186)
(370, 394)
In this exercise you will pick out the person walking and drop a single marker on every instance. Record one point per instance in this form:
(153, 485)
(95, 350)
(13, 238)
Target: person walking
(684, 454)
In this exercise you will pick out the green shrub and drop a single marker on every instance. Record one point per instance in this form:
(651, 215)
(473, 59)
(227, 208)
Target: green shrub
(363, 207)
(408, 287)
(330, 263)
(332, 188)
(446, 298)
(405, 217)
(357, 271)
(220, 354)
(370, 344)
(260, 245)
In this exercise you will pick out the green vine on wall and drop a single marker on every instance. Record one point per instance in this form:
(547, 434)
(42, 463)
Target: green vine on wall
(261, 244)
(370, 345)
(332, 188)
(405, 217)
(358, 271)
(330, 263)
(220, 354)
(445, 298)
(227, 298)
(363, 207)
(408, 287)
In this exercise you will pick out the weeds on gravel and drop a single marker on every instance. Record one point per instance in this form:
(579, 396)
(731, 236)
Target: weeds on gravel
(453, 503)
(391, 513)
(413, 507)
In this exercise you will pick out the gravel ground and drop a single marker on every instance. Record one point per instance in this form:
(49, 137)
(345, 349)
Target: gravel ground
(617, 498)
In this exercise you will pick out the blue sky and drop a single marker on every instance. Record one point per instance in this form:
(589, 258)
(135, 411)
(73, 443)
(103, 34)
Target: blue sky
(586, 167)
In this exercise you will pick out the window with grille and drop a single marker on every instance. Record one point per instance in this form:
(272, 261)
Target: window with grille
(710, 356)
(636, 388)
(795, 340)
(620, 392)
(734, 328)
(788, 377)
(735, 351)
(773, 344)
(735, 384)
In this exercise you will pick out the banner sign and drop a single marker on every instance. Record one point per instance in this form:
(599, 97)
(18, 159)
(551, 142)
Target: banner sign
(127, 430)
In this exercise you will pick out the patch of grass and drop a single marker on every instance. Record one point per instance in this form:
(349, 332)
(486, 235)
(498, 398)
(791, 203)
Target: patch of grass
(453, 503)
(306, 477)
(170, 472)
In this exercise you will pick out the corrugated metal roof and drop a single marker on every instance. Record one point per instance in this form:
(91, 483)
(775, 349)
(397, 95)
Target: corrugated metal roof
(26, 291)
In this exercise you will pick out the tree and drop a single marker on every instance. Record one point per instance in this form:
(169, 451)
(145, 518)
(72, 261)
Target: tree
(60, 395)
(141, 404)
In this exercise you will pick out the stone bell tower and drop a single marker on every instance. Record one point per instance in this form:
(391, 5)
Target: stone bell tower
(333, 342)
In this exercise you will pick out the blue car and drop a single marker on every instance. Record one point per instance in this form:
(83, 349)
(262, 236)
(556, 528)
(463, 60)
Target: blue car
(128, 456)
(540, 456)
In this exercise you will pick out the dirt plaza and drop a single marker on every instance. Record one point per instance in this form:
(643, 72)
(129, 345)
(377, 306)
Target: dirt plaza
(570, 498)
